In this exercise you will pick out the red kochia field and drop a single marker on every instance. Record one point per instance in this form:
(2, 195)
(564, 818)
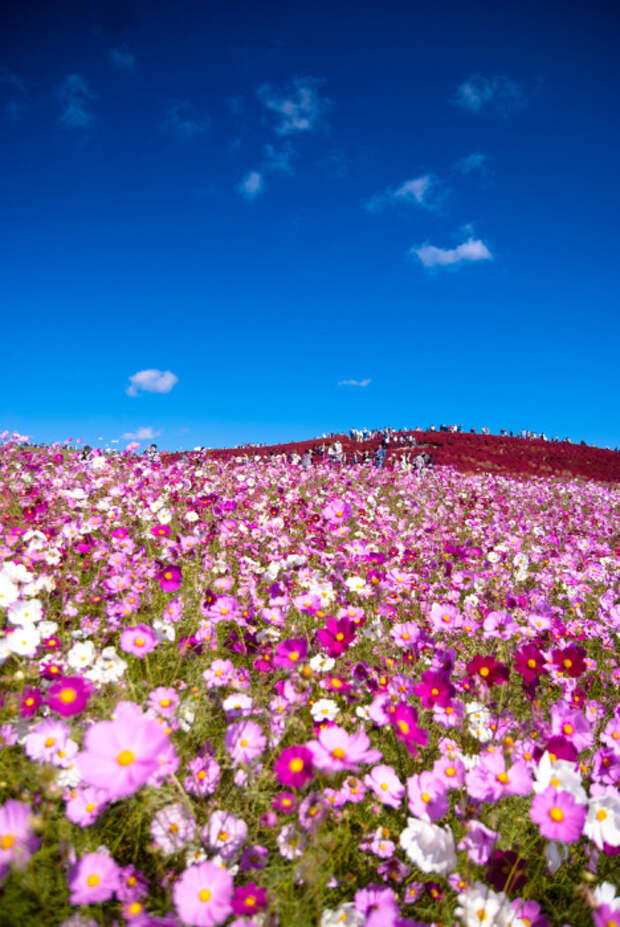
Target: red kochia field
(254, 694)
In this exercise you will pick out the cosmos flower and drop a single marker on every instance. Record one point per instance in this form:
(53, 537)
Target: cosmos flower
(94, 878)
(558, 815)
(336, 751)
(69, 695)
(294, 766)
(122, 754)
(17, 838)
(203, 895)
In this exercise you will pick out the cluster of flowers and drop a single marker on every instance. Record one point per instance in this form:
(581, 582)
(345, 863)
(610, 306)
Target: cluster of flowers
(272, 695)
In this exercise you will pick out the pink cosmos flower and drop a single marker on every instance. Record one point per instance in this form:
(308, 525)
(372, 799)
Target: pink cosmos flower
(386, 785)
(445, 618)
(290, 652)
(225, 833)
(293, 768)
(572, 724)
(121, 754)
(490, 779)
(335, 750)
(478, 842)
(46, 739)
(203, 895)
(17, 838)
(170, 578)
(558, 815)
(428, 796)
(94, 878)
(205, 775)
(85, 805)
(338, 511)
(69, 695)
(245, 741)
(172, 827)
(138, 640)
(164, 701)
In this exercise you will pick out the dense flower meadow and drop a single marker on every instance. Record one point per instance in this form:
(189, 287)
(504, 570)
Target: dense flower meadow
(256, 694)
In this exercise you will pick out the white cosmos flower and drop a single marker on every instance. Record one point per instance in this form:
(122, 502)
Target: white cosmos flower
(561, 775)
(322, 664)
(428, 846)
(24, 613)
(81, 655)
(603, 819)
(481, 905)
(9, 591)
(605, 893)
(325, 709)
(16, 572)
(25, 640)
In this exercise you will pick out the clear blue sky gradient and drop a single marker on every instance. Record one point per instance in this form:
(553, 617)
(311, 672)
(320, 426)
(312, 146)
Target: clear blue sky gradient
(127, 243)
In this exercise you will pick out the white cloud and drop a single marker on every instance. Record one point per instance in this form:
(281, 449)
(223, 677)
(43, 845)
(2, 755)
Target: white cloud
(354, 382)
(251, 185)
(470, 250)
(279, 159)
(501, 92)
(473, 162)
(75, 96)
(418, 191)
(151, 381)
(298, 108)
(122, 59)
(144, 433)
(179, 123)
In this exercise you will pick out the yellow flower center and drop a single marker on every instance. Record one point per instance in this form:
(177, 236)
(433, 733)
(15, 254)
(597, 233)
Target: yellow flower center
(296, 765)
(450, 771)
(425, 797)
(67, 696)
(204, 894)
(568, 728)
(556, 814)
(50, 742)
(503, 778)
(338, 753)
(293, 656)
(125, 758)
(7, 841)
(484, 672)
(92, 880)
(601, 814)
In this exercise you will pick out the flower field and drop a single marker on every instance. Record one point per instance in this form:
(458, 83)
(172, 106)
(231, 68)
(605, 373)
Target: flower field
(261, 694)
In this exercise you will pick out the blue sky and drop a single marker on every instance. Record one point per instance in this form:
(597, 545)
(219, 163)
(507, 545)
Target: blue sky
(285, 219)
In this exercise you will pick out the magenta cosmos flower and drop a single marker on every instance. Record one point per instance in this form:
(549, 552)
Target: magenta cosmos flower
(139, 640)
(203, 894)
(69, 695)
(170, 578)
(290, 652)
(558, 815)
(120, 755)
(94, 878)
(335, 750)
(293, 767)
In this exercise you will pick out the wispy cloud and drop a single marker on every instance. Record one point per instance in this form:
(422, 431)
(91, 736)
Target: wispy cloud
(151, 381)
(298, 108)
(473, 162)
(279, 159)
(75, 96)
(419, 192)
(361, 383)
(179, 123)
(13, 92)
(144, 433)
(502, 93)
(122, 59)
(251, 186)
(471, 250)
